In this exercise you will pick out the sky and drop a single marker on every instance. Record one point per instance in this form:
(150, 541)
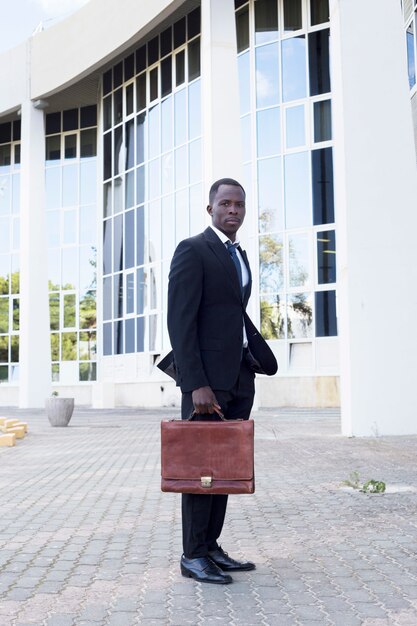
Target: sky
(19, 18)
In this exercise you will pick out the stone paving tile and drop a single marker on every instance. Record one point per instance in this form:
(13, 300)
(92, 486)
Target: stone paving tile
(88, 538)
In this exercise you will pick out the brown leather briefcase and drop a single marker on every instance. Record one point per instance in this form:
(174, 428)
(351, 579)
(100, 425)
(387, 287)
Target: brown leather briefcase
(207, 457)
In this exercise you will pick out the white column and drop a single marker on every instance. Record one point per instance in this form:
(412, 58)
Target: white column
(35, 359)
(220, 92)
(376, 216)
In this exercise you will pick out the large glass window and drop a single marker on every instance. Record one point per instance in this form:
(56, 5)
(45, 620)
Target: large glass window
(153, 167)
(71, 217)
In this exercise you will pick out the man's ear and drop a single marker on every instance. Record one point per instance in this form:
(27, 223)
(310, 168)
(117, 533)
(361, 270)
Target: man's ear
(209, 209)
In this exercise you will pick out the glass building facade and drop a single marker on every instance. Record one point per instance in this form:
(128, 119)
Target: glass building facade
(152, 181)
(9, 250)
(71, 218)
(285, 106)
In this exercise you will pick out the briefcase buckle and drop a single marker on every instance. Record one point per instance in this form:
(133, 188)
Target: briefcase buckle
(206, 481)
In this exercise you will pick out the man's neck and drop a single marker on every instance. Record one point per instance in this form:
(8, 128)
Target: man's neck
(224, 238)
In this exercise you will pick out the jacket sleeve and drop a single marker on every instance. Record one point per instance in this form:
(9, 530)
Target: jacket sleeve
(185, 288)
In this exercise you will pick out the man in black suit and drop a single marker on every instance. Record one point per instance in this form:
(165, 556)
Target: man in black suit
(207, 295)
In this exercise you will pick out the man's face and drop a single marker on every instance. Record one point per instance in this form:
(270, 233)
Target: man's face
(228, 210)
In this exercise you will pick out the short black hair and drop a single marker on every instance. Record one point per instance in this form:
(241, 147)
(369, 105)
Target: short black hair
(222, 181)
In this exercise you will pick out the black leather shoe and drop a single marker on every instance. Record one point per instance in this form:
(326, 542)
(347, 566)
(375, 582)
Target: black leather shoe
(227, 564)
(204, 570)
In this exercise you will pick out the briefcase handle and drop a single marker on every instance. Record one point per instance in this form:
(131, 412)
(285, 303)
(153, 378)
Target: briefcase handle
(219, 413)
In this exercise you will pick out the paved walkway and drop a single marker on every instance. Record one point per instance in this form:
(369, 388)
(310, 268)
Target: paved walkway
(88, 539)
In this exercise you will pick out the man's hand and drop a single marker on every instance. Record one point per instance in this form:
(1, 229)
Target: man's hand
(205, 401)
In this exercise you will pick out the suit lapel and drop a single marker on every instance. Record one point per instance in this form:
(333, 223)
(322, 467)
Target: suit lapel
(247, 290)
(224, 257)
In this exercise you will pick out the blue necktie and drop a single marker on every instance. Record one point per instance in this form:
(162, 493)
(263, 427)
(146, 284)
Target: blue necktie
(232, 251)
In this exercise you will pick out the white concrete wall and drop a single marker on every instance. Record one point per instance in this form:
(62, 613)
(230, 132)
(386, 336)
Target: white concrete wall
(13, 77)
(376, 216)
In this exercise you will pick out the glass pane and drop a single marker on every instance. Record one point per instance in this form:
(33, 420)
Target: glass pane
(53, 148)
(168, 227)
(70, 142)
(293, 19)
(16, 233)
(271, 217)
(197, 215)
(53, 187)
(141, 291)
(318, 43)
(271, 264)
(299, 316)
(266, 20)
(107, 113)
(154, 170)
(5, 234)
(4, 373)
(69, 234)
(322, 121)
(15, 193)
(14, 349)
(69, 311)
(166, 76)
(140, 138)
(245, 125)
(295, 127)
(180, 117)
(411, 62)
(88, 226)
(181, 167)
(4, 274)
(130, 190)
(194, 59)
(129, 239)
(319, 10)
(294, 85)
(69, 346)
(155, 230)
(118, 243)
(118, 156)
(107, 298)
(130, 144)
(118, 337)
(88, 310)
(88, 371)
(118, 295)
(54, 268)
(326, 316)
(154, 137)
(242, 29)
(130, 336)
(107, 156)
(180, 68)
(16, 314)
(87, 346)
(268, 132)
(140, 185)
(182, 229)
(117, 106)
(107, 246)
(167, 173)
(267, 75)
(129, 99)
(130, 293)
(107, 200)
(4, 349)
(118, 194)
(140, 236)
(299, 260)
(141, 92)
(69, 185)
(272, 317)
(194, 110)
(69, 268)
(244, 82)
(107, 339)
(297, 190)
(5, 195)
(140, 334)
(323, 197)
(4, 315)
(153, 84)
(153, 332)
(195, 161)
(326, 257)
(166, 124)
(88, 182)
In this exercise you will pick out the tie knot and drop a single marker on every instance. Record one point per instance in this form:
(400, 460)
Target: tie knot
(231, 247)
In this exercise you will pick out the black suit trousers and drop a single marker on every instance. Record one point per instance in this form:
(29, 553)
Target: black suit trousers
(203, 514)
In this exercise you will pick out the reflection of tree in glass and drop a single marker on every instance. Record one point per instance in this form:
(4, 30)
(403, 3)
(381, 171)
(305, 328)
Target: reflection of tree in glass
(303, 314)
(15, 283)
(270, 258)
(272, 320)
(4, 315)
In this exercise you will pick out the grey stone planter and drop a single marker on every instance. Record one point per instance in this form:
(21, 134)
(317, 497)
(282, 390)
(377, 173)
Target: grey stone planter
(59, 410)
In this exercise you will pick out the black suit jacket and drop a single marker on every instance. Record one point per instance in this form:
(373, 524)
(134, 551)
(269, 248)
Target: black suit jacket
(205, 313)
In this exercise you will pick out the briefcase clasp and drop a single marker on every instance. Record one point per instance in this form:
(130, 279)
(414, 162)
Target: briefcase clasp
(206, 481)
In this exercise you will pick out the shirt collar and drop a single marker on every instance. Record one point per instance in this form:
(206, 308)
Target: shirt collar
(224, 238)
